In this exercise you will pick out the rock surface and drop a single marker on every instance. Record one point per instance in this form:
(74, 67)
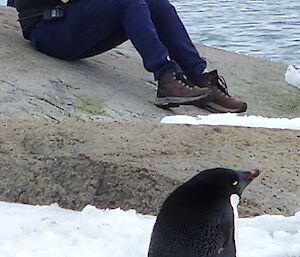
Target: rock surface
(57, 144)
(135, 165)
(115, 86)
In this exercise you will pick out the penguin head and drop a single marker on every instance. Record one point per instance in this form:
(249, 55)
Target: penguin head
(243, 180)
(209, 187)
(228, 180)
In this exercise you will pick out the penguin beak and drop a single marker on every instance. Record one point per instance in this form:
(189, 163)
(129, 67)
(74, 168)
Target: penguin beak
(254, 173)
(245, 178)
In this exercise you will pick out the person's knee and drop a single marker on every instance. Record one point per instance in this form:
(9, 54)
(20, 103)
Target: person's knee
(159, 5)
(126, 3)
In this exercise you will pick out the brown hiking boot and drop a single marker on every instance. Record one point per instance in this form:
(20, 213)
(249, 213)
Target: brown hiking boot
(174, 90)
(222, 101)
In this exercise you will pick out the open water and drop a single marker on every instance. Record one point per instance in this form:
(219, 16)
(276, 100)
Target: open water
(263, 28)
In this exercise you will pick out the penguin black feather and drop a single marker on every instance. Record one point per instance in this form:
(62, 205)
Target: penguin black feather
(197, 219)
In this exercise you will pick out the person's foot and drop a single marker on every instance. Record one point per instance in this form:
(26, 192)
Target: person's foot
(222, 101)
(174, 90)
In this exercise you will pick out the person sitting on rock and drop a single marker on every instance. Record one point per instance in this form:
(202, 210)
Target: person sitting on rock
(76, 29)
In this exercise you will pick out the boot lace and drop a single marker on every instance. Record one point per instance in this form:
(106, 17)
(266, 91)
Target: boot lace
(183, 80)
(222, 85)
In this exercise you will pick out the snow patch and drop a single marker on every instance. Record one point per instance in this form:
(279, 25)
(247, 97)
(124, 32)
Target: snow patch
(292, 75)
(47, 231)
(232, 119)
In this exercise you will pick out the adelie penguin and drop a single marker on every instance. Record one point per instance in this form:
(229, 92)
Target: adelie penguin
(197, 219)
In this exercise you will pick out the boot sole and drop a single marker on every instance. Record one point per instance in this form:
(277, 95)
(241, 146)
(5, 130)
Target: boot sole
(215, 108)
(166, 102)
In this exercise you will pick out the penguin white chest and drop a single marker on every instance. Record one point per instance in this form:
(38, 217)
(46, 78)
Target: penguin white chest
(234, 201)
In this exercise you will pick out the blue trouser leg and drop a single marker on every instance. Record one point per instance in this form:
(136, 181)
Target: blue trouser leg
(174, 36)
(10, 3)
(140, 29)
(91, 27)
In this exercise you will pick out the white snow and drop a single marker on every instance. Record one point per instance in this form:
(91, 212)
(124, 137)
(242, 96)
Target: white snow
(232, 119)
(3, 2)
(292, 75)
(47, 231)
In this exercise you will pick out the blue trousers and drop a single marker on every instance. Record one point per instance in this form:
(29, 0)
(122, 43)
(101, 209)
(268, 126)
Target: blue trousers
(91, 27)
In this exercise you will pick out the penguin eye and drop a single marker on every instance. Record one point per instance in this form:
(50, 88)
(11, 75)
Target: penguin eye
(235, 183)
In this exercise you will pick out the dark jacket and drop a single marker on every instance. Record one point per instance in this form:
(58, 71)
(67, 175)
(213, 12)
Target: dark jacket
(31, 12)
(22, 5)
(10, 3)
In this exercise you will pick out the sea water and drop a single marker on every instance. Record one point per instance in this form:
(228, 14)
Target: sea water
(263, 28)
